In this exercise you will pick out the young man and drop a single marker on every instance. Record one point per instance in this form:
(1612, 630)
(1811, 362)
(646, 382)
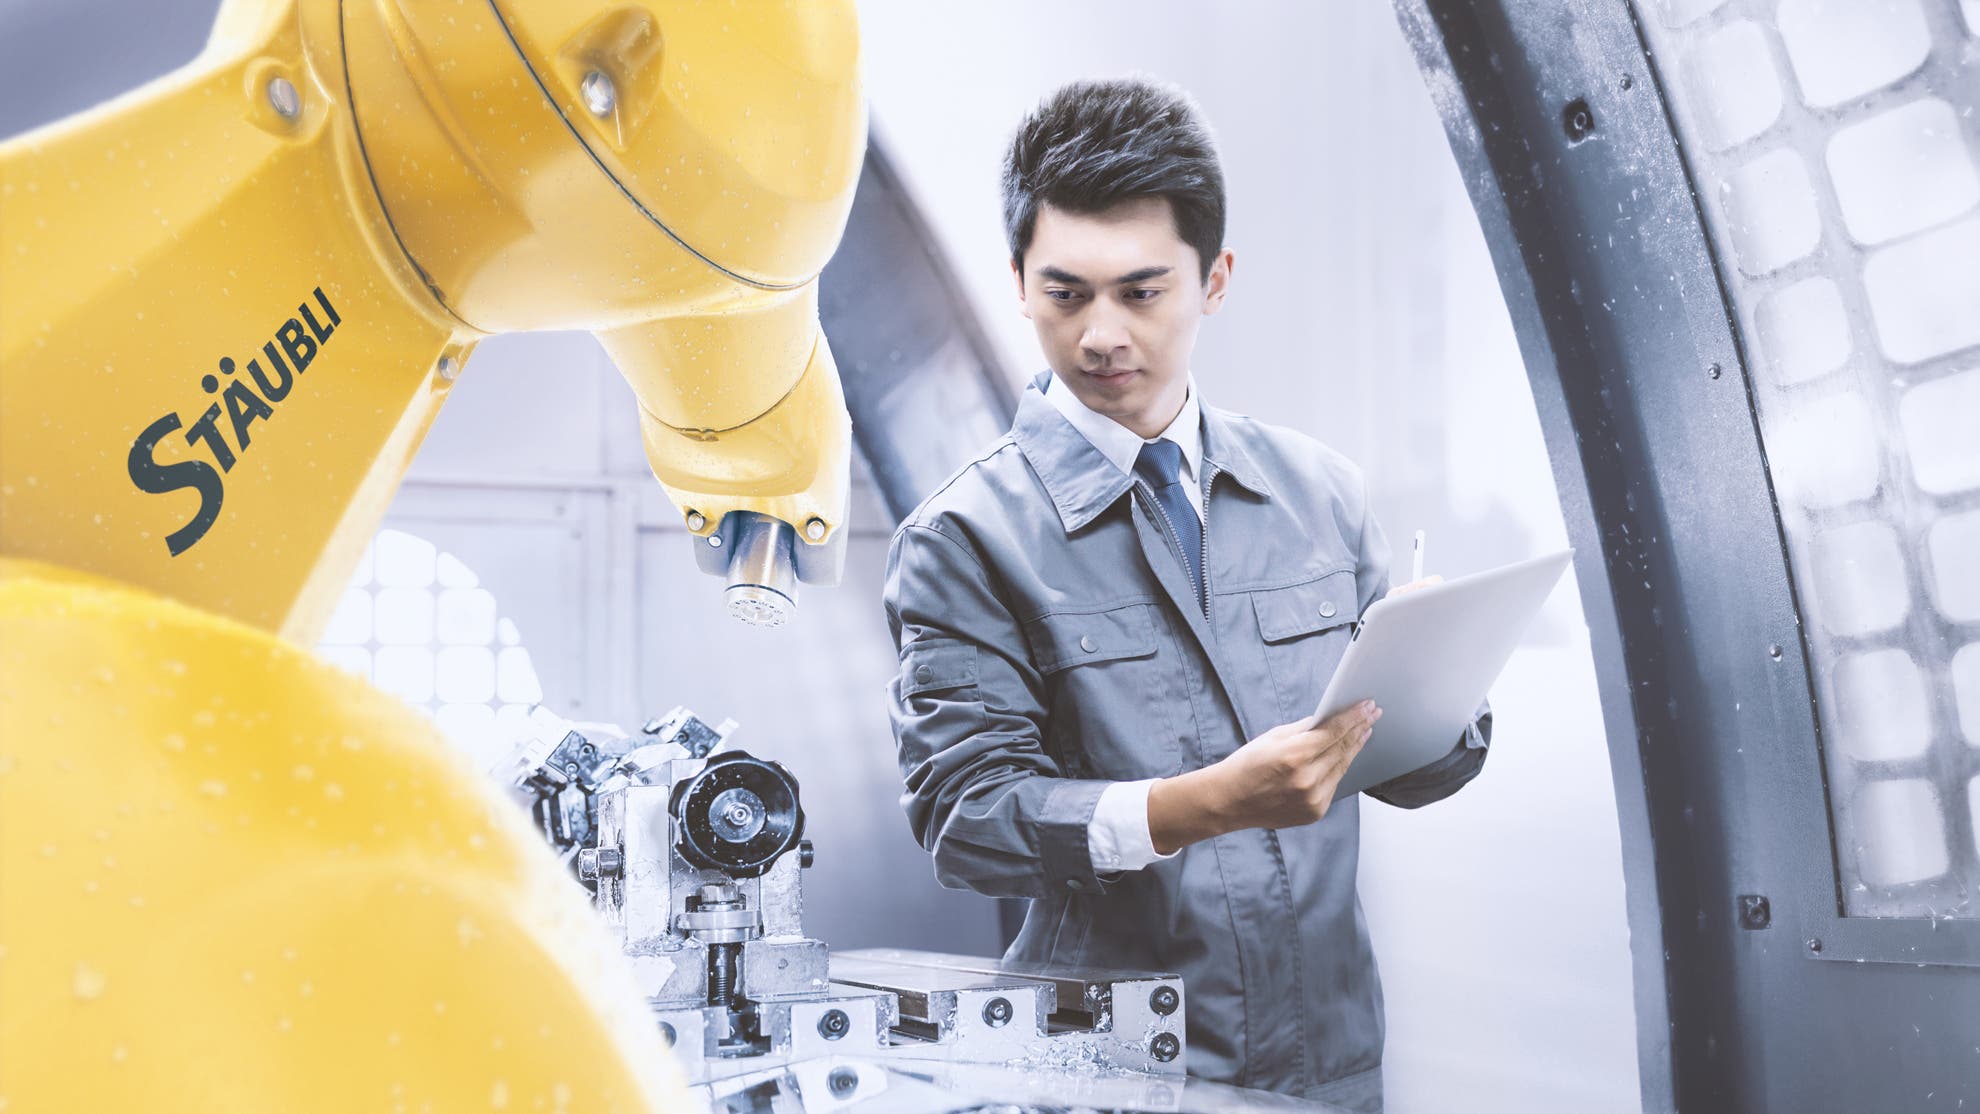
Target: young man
(1113, 624)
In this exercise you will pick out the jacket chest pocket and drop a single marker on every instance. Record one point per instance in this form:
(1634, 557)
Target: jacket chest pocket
(1112, 699)
(1305, 629)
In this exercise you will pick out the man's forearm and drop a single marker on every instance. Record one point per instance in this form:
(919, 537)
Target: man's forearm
(1186, 809)
(1282, 779)
(1445, 776)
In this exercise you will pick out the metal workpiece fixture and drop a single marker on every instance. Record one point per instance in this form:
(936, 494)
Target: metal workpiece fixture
(967, 1008)
(696, 853)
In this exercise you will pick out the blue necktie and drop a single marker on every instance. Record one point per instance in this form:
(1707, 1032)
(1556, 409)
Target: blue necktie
(1160, 465)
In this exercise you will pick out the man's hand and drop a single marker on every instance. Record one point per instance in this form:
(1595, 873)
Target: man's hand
(1414, 585)
(1282, 779)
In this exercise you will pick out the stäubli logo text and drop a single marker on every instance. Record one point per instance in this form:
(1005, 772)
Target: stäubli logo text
(247, 399)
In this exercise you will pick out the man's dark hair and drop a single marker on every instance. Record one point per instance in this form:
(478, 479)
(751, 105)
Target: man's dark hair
(1094, 144)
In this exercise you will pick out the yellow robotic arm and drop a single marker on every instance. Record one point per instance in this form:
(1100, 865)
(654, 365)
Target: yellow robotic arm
(231, 303)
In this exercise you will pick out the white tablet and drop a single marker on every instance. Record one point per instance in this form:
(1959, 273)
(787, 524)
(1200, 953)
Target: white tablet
(1428, 657)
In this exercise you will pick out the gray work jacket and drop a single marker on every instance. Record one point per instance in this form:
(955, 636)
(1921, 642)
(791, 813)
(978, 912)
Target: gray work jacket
(1051, 643)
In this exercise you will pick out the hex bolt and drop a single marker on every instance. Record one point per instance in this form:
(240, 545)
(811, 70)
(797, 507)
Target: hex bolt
(599, 95)
(448, 369)
(834, 1024)
(1627, 82)
(1165, 1047)
(714, 541)
(1578, 120)
(1754, 912)
(1715, 370)
(814, 529)
(1815, 945)
(667, 1034)
(843, 1082)
(697, 521)
(997, 1012)
(1164, 1000)
(594, 863)
(1774, 651)
(806, 855)
(283, 98)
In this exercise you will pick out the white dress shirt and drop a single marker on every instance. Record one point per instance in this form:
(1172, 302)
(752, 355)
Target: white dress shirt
(1117, 838)
(1121, 445)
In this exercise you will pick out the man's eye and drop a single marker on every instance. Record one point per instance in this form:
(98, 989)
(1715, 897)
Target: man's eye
(1144, 294)
(1061, 295)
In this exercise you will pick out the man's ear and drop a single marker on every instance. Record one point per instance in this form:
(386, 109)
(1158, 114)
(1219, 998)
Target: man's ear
(1219, 283)
(1017, 276)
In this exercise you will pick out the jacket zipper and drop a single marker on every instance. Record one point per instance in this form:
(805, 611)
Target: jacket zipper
(1210, 474)
(1175, 540)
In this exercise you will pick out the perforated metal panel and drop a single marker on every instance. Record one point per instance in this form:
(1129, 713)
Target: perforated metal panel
(1836, 152)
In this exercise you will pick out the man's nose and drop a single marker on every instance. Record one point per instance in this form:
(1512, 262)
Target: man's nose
(1105, 334)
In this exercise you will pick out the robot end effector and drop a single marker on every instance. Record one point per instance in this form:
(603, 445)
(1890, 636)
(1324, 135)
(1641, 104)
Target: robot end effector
(744, 424)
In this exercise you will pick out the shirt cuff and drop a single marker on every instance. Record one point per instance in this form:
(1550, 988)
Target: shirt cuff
(1117, 838)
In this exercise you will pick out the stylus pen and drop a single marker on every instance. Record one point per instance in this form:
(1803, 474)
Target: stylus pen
(1416, 559)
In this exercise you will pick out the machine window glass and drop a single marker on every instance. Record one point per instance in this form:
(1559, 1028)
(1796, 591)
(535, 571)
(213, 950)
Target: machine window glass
(1836, 150)
(417, 623)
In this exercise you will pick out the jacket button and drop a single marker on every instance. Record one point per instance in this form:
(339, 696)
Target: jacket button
(1327, 610)
(1086, 643)
(924, 674)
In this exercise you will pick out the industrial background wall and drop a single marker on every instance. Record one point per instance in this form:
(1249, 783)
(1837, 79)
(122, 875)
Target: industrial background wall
(530, 557)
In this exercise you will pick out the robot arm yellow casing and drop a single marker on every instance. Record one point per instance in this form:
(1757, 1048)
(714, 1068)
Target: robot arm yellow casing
(235, 878)
(240, 879)
(441, 180)
(682, 220)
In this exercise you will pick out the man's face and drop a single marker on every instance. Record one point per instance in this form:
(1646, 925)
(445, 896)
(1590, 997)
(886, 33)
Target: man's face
(1117, 298)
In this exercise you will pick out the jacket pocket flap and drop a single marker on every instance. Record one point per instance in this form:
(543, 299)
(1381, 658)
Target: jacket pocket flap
(1298, 609)
(1074, 638)
(942, 663)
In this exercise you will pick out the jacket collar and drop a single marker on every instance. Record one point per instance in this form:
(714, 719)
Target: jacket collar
(1082, 482)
